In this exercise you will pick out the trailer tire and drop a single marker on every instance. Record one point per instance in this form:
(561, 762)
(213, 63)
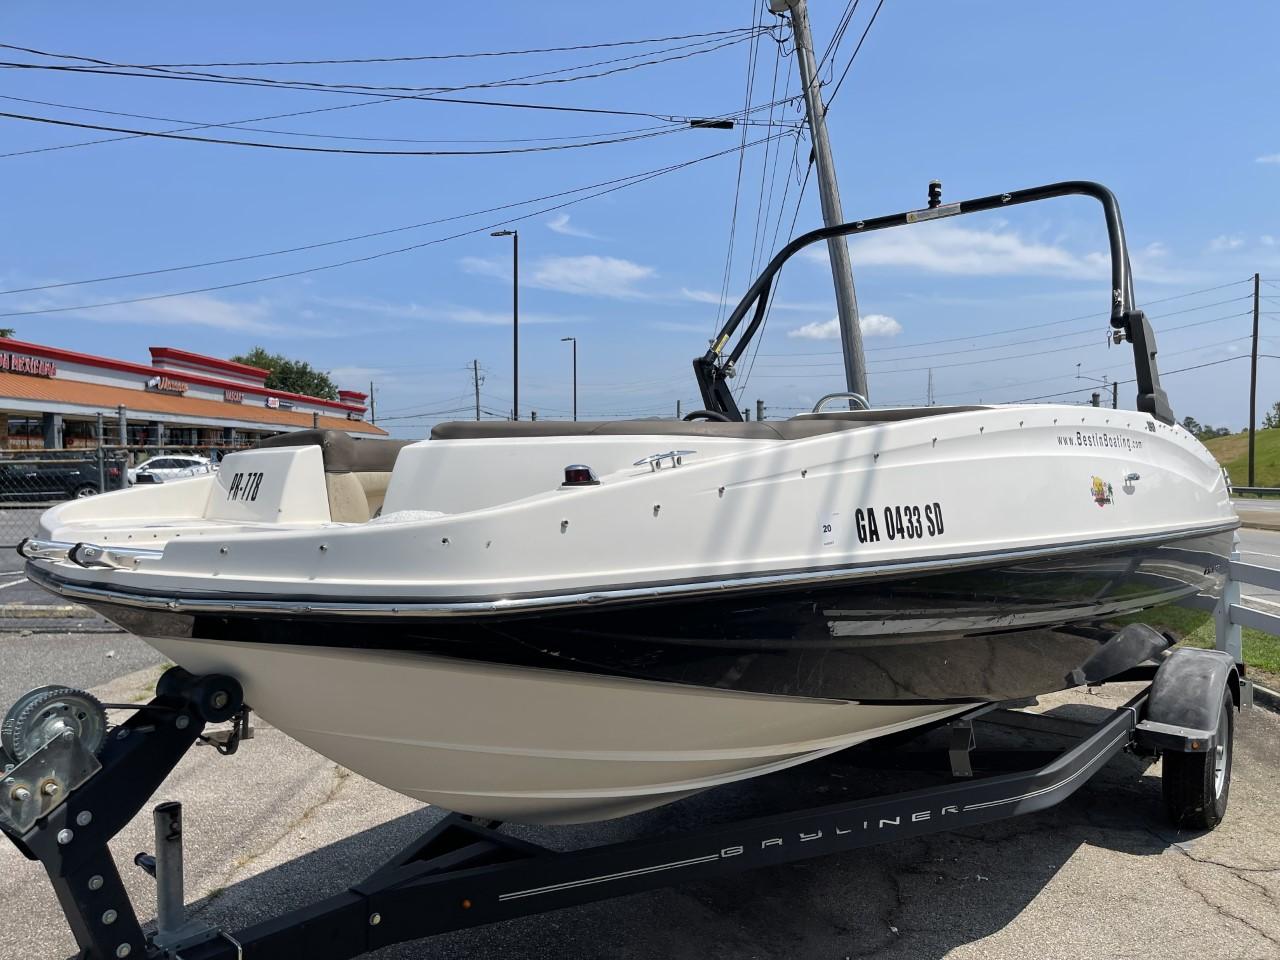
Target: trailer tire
(1196, 785)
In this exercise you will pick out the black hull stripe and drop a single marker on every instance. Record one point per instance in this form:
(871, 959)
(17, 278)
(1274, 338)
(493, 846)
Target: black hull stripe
(638, 593)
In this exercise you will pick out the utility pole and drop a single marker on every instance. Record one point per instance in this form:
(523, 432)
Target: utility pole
(575, 374)
(515, 318)
(1115, 395)
(759, 410)
(1253, 373)
(855, 366)
(677, 409)
(929, 392)
(475, 376)
(373, 405)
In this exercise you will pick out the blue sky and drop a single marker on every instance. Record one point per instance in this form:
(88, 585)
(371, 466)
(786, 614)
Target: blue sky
(1172, 105)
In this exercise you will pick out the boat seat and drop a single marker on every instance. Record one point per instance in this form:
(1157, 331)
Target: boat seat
(356, 472)
(808, 425)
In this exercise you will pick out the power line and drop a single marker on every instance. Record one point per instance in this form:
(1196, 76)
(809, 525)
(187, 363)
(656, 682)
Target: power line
(737, 185)
(362, 236)
(429, 98)
(1163, 373)
(386, 253)
(113, 68)
(1094, 370)
(1000, 346)
(343, 150)
(242, 125)
(1041, 326)
(773, 293)
(971, 363)
(853, 56)
(447, 56)
(838, 35)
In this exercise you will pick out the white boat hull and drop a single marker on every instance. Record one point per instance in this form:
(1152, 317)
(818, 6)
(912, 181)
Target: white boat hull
(532, 746)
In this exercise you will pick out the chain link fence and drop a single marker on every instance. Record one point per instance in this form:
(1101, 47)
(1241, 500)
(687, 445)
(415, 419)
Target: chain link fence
(32, 480)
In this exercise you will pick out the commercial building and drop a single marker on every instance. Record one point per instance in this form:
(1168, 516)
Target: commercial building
(54, 398)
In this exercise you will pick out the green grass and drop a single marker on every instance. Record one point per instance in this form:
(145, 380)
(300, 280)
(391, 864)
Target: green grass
(1233, 453)
(1261, 650)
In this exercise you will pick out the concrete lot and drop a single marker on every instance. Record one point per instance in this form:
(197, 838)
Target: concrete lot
(277, 826)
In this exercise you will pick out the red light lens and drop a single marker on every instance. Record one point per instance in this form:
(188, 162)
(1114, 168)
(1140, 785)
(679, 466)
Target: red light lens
(578, 475)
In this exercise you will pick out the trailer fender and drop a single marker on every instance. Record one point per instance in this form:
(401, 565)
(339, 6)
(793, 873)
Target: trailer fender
(1186, 699)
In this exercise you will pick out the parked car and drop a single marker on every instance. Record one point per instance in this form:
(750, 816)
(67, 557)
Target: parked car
(159, 469)
(55, 478)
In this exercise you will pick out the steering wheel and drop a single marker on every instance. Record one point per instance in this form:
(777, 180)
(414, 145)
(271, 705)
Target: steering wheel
(707, 415)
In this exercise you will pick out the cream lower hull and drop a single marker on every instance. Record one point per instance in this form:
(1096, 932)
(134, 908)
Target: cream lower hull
(531, 746)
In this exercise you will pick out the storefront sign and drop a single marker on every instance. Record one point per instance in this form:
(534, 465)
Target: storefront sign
(167, 385)
(273, 403)
(233, 396)
(34, 366)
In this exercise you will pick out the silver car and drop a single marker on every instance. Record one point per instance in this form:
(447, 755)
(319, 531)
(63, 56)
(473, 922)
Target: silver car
(173, 467)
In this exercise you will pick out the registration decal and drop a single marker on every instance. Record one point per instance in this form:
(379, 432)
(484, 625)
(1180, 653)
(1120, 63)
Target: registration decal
(245, 486)
(908, 521)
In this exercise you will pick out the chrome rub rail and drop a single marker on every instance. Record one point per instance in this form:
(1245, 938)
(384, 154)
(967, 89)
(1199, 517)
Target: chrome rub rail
(87, 554)
(195, 603)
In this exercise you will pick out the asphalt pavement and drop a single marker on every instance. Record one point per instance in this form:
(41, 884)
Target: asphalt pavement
(1102, 875)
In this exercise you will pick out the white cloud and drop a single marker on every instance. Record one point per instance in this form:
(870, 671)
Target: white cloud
(1269, 158)
(1222, 243)
(947, 248)
(560, 224)
(256, 317)
(703, 296)
(879, 325)
(592, 276)
(706, 296)
(961, 251)
(498, 318)
(442, 312)
(1267, 240)
(589, 275)
(487, 267)
(873, 325)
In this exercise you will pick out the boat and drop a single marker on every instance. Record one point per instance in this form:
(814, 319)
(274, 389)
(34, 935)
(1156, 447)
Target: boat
(553, 622)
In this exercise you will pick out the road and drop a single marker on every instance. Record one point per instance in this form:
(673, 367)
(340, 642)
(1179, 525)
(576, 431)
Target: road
(277, 826)
(1261, 547)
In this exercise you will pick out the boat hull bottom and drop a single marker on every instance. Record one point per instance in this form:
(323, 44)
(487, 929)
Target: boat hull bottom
(532, 745)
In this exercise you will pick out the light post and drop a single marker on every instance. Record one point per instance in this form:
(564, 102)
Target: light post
(1106, 382)
(515, 318)
(575, 373)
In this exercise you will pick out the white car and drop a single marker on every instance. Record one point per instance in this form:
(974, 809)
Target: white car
(160, 469)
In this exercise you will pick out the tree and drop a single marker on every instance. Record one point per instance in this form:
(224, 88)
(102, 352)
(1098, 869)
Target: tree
(1203, 431)
(293, 376)
(1271, 419)
(6, 333)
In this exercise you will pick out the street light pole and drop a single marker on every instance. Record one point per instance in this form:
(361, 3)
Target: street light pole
(575, 373)
(515, 318)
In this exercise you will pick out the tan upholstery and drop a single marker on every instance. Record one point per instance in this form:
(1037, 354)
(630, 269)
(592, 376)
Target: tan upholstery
(356, 472)
(795, 429)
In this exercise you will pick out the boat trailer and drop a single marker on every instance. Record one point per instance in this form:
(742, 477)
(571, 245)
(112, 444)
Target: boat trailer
(78, 784)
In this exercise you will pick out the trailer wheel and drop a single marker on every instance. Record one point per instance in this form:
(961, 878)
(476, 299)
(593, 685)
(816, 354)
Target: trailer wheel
(1196, 785)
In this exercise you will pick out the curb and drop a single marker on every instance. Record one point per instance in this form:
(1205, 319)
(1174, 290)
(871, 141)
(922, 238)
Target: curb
(1259, 521)
(1266, 698)
(24, 611)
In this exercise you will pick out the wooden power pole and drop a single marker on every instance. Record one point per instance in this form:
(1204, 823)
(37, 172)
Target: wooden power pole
(1253, 373)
